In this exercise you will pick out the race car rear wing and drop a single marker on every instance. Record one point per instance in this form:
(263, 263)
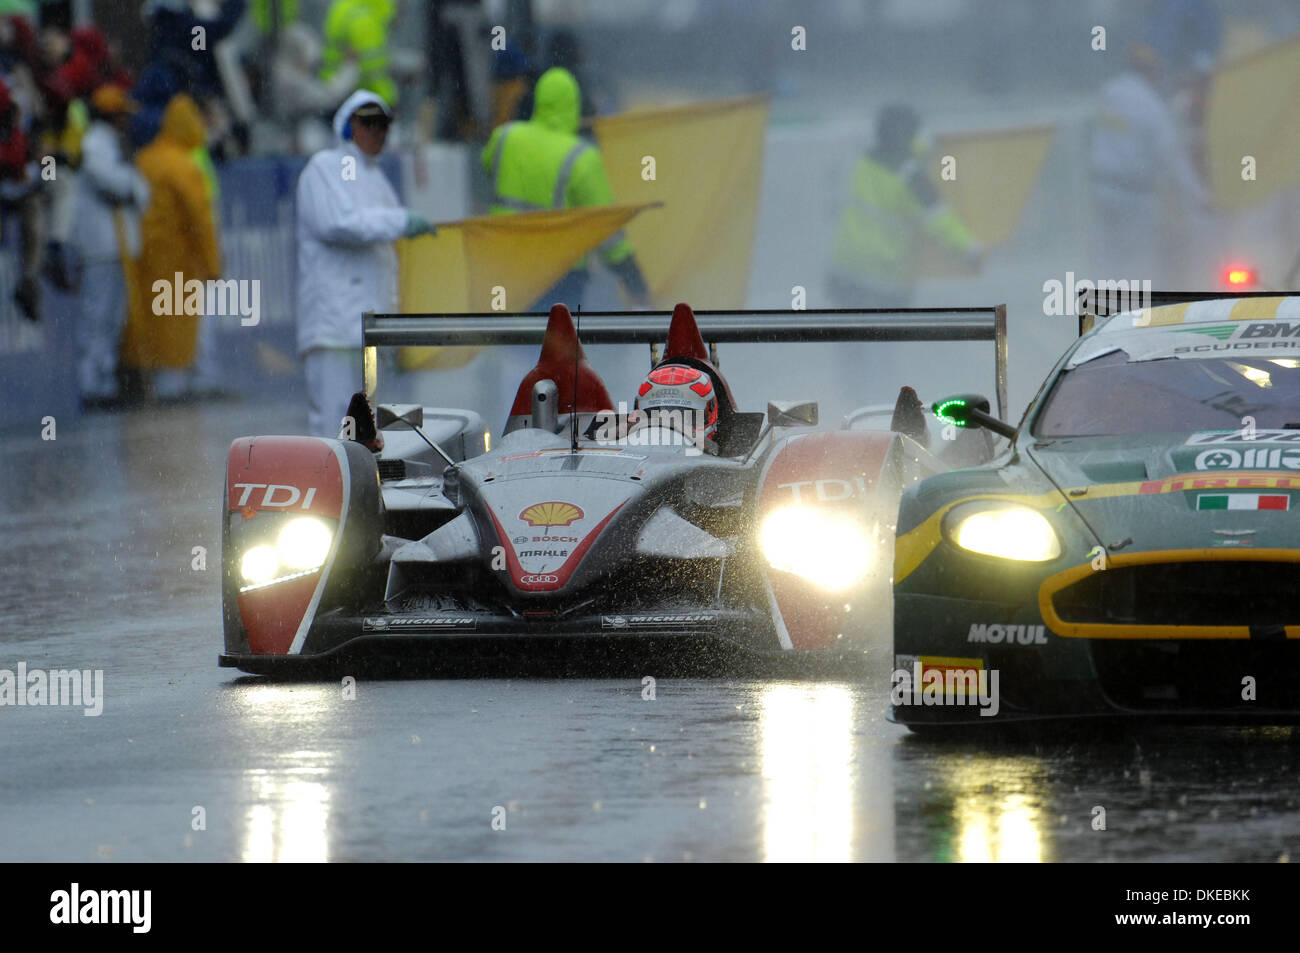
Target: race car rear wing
(716, 327)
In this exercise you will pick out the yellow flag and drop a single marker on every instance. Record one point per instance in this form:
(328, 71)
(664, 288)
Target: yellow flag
(495, 263)
(986, 177)
(1250, 125)
(993, 173)
(703, 162)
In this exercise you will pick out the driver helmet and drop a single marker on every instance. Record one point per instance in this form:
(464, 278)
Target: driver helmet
(682, 395)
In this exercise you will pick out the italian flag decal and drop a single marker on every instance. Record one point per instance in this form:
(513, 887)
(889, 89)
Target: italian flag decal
(1243, 501)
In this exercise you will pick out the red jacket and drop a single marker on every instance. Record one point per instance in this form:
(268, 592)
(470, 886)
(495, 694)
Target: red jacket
(13, 142)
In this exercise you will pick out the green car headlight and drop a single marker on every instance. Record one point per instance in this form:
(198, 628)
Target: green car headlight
(827, 548)
(1007, 531)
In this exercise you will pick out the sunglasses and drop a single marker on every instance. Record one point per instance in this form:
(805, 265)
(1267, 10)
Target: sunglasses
(374, 122)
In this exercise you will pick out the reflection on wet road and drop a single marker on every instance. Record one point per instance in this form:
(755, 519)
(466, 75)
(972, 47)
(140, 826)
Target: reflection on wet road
(99, 572)
(806, 735)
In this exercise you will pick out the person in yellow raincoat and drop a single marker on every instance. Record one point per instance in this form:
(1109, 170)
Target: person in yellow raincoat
(178, 246)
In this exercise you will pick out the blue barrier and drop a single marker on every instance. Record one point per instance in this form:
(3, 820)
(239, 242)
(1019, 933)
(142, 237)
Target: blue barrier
(38, 361)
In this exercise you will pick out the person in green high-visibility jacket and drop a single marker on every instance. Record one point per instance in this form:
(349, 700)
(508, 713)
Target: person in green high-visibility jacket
(277, 15)
(359, 29)
(893, 206)
(542, 163)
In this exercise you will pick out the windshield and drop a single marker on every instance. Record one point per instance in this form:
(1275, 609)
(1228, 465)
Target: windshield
(1111, 396)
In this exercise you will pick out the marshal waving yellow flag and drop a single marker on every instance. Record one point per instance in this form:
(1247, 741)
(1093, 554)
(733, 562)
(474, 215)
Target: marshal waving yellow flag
(703, 161)
(495, 263)
(1252, 139)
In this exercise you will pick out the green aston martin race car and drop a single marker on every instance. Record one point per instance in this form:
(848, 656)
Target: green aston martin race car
(1134, 551)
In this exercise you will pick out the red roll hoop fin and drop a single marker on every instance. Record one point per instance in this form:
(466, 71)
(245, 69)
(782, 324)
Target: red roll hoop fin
(560, 349)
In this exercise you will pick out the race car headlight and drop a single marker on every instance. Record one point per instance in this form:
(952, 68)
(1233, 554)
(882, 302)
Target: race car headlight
(301, 547)
(824, 547)
(259, 565)
(303, 543)
(1010, 531)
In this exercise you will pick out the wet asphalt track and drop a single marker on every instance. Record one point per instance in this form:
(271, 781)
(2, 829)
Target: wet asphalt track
(99, 526)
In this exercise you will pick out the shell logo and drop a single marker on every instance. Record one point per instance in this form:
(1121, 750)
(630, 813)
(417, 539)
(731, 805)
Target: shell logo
(551, 514)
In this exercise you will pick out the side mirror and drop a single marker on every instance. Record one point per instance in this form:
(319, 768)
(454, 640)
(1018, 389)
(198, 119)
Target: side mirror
(389, 414)
(792, 413)
(971, 410)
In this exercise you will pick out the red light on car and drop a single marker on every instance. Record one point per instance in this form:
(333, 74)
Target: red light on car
(1239, 277)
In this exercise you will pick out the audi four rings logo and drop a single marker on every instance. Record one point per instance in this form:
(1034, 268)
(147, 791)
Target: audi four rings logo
(529, 578)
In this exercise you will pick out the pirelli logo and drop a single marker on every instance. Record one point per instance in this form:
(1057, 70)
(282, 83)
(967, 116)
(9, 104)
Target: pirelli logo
(1221, 481)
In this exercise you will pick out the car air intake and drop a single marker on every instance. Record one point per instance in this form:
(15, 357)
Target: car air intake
(1241, 592)
(546, 406)
(392, 469)
(1197, 675)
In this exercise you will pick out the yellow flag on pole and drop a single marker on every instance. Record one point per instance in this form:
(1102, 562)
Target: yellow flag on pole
(703, 161)
(986, 177)
(1250, 115)
(495, 263)
(994, 173)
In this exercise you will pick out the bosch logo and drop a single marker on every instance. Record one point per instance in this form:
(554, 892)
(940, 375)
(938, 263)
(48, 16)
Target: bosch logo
(519, 539)
(529, 579)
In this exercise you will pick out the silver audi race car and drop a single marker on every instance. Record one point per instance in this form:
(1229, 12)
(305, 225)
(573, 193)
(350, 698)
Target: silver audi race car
(688, 531)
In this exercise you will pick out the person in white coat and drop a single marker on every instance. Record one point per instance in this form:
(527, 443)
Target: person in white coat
(1137, 153)
(109, 196)
(348, 217)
